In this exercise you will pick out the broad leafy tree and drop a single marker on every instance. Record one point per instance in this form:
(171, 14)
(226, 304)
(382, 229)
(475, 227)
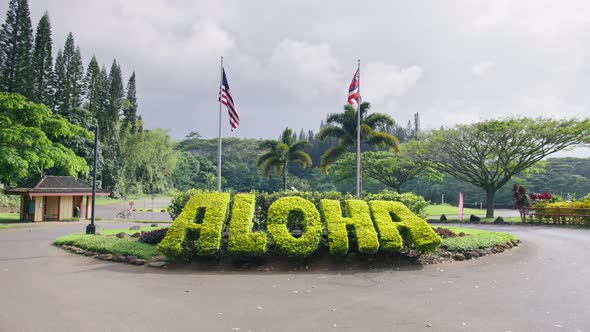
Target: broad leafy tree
(16, 44)
(279, 153)
(391, 169)
(28, 132)
(489, 153)
(149, 161)
(343, 128)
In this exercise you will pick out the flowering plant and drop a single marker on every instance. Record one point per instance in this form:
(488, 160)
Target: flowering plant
(544, 197)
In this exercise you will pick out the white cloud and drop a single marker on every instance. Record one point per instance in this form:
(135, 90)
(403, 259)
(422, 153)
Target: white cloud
(482, 68)
(383, 81)
(303, 68)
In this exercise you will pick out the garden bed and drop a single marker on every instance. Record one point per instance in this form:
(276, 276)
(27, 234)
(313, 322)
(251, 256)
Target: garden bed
(112, 245)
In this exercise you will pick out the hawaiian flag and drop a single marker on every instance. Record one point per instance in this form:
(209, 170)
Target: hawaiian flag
(226, 99)
(353, 90)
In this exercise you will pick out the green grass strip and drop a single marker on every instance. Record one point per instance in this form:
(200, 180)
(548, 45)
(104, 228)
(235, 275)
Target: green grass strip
(478, 239)
(126, 230)
(437, 210)
(108, 245)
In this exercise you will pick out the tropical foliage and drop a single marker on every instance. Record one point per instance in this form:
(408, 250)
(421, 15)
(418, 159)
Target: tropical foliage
(280, 153)
(343, 128)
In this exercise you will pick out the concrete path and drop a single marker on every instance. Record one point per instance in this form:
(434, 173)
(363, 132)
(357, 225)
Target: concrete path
(544, 285)
(110, 211)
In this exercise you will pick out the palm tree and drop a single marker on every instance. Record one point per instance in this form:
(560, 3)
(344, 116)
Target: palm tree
(342, 126)
(280, 153)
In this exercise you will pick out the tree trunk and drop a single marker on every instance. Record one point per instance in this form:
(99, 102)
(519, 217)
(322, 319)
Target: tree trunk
(285, 175)
(490, 193)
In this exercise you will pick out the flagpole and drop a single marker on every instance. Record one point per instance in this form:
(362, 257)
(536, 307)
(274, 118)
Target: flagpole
(358, 136)
(219, 148)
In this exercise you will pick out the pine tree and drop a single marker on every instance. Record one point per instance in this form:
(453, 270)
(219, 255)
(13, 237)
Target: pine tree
(130, 106)
(70, 77)
(43, 63)
(16, 43)
(417, 125)
(102, 106)
(116, 93)
(59, 80)
(93, 85)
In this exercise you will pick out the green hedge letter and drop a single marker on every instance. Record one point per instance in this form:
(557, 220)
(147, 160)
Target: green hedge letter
(287, 244)
(213, 208)
(360, 219)
(391, 218)
(241, 239)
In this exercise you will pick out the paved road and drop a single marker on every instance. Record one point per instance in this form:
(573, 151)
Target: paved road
(110, 211)
(542, 286)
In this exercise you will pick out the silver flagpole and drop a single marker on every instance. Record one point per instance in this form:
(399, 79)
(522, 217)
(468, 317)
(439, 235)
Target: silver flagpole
(219, 149)
(358, 137)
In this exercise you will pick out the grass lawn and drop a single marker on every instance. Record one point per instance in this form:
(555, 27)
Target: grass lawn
(6, 226)
(512, 220)
(150, 210)
(478, 239)
(101, 200)
(8, 218)
(110, 244)
(126, 230)
(446, 209)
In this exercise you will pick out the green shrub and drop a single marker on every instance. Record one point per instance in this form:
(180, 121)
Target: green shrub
(476, 239)
(108, 244)
(359, 219)
(178, 202)
(415, 203)
(153, 237)
(393, 217)
(574, 212)
(201, 220)
(278, 218)
(265, 200)
(9, 201)
(242, 241)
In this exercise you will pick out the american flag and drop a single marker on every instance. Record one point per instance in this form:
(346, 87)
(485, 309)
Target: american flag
(226, 99)
(353, 90)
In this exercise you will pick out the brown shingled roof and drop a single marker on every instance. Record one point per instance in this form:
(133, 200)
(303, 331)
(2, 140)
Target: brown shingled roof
(55, 185)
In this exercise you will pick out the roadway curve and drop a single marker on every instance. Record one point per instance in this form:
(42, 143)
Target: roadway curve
(544, 285)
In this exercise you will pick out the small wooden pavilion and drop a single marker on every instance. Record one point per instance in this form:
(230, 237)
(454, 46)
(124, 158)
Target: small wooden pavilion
(55, 198)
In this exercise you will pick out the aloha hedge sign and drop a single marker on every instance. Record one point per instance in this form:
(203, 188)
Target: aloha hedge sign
(376, 226)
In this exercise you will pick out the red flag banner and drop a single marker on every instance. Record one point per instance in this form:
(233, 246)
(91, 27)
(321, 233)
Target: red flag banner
(353, 90)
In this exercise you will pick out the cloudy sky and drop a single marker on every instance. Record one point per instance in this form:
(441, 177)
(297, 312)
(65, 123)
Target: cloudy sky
(289, 63)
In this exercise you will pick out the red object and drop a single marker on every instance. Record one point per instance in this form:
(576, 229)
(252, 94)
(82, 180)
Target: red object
(353, 90)
(226, 99)
(131, 203)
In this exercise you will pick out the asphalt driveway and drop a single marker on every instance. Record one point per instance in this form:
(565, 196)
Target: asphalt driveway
(544, 285)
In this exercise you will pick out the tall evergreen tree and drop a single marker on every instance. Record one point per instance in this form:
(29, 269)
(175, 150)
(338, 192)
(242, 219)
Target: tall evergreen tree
(93, 86)
(130, 106)
(70, 77)
(102, 106)
(59, 75)
(116, 93)
(16, 43)
(43, 63)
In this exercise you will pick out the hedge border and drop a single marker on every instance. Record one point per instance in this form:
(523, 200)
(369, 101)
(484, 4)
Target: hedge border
(359, 218)
(283, 242)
